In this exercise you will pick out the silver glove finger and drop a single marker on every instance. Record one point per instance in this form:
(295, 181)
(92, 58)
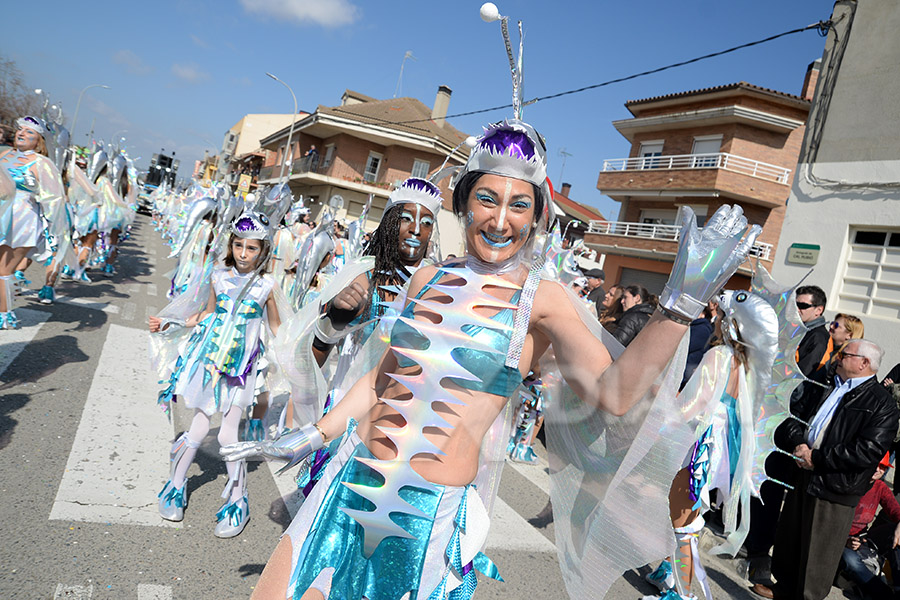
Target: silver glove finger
(731, 220)
(689, 223)
(743, 249)
(715, 222)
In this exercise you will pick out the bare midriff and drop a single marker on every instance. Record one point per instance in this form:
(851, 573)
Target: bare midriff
(470, 421)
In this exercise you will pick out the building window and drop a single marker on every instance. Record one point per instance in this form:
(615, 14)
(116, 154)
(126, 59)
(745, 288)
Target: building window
(649, 152)
(420, 169)
(871, 281)
(329, 155)
(705, 151)
(372, 165)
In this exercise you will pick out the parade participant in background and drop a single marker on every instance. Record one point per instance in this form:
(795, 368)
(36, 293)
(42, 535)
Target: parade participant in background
(529, 418)
(736, 398)
(397, 249)
(403, 508)
(217, 369)
(811, 301)
(39, 195)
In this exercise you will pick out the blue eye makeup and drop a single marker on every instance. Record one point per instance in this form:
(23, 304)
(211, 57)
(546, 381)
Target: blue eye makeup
(523, 204)
(484, 197)
(406, 216)
(427, 222)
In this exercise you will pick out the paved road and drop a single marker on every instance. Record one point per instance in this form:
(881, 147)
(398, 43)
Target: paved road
(85, 450)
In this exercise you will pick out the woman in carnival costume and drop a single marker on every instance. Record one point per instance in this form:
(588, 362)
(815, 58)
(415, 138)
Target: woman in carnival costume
(349, 315)
(403, 508)
(734, 401)
(217, 368)
(39, 195)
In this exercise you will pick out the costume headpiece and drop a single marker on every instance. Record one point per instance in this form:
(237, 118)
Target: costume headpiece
(251, 225)
(511, 148)
(34, 123)
(417, 191)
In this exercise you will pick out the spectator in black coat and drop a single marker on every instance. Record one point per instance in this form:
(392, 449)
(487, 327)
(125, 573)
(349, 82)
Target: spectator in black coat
(639, 305)
(701, 331)
(851, 424)
(811, 303)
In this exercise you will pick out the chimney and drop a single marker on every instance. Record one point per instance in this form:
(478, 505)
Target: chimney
(812, 76)
(441, 104)
(564, 190)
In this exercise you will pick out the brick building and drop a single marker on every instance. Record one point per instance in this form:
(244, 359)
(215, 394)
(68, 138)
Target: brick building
(367, 146)
(731, 144)
(242, 140)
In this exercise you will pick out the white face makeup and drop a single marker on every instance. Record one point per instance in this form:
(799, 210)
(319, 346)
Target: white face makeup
(499, 220)
(416, 226)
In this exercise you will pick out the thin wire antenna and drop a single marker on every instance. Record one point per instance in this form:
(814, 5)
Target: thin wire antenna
(408, 54)
(562, 152)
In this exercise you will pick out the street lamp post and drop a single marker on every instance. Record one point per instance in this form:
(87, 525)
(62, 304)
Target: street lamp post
(566, 230)
(78, 106)
(291, 132)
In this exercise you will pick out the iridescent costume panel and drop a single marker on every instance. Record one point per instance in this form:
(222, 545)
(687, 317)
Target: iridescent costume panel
(218, 367)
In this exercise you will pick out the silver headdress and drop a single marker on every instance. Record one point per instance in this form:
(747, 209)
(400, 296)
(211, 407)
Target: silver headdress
(33, 123)
(251, 225)
(511, 148)
(417, 191)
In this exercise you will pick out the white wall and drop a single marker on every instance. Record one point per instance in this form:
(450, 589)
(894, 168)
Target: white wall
(849, 175)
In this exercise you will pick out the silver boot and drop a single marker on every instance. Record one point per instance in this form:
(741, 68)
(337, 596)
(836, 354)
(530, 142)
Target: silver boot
(233, 516)
(172, 501)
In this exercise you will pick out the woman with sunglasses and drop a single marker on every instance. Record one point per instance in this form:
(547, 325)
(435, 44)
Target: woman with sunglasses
(39, 193)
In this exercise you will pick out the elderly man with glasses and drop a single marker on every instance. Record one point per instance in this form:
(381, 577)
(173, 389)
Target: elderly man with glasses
(839, 435)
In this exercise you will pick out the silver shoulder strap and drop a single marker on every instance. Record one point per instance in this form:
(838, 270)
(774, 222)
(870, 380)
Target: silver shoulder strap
(523, 314)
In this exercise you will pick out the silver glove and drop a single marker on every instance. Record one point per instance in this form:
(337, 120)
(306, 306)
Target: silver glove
(293, 447)
(706, 259)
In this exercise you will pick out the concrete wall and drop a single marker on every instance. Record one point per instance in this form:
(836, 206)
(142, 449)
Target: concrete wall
(849, 175)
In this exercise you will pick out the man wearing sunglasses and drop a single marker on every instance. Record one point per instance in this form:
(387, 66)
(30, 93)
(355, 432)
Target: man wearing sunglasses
(811, 304)
(840, 434)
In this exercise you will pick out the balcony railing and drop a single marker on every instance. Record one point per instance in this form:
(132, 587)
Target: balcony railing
(336, 168)
(716, 160)
(668, 233)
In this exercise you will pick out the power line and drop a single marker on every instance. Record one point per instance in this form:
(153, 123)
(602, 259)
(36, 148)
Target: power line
(821, 26)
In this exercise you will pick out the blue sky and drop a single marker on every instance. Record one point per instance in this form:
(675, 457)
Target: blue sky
(183, 72)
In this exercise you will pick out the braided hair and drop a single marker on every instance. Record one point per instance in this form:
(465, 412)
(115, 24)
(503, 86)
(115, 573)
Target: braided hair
(384, 247)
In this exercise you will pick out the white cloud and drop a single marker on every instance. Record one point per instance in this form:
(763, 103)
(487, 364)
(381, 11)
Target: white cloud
(328, 13)
(190, 73)
(111, 116)
(199, 41)
(132, 62)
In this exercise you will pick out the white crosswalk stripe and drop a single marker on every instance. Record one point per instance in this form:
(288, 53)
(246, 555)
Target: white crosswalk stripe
(114, 474)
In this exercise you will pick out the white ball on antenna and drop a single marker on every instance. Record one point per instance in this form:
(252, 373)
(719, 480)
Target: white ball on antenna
(471, 141)
(489, 12)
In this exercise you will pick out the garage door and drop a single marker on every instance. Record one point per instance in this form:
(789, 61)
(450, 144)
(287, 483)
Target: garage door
(654, 282)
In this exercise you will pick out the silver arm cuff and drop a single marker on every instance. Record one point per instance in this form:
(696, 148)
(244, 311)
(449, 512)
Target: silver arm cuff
(296, 445)
(680, 304)
(326, 331)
